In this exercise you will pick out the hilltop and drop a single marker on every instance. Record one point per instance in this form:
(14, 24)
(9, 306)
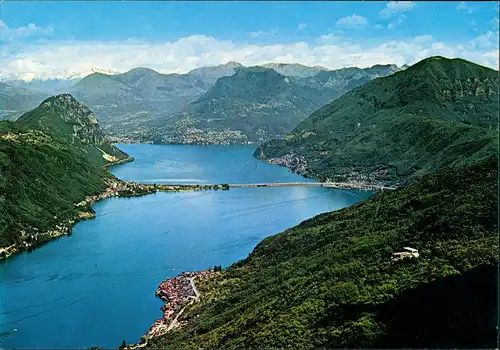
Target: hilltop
(435, 113)
(50, 159)
(64, 118)
(257, 104)
(330, 282)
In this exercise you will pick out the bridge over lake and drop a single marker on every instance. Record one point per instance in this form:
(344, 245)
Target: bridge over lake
(339, 185)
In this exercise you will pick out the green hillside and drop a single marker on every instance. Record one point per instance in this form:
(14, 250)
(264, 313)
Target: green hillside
(330, 282)
(258, 103)
(400, 127)
(65, 118)
(50, 159)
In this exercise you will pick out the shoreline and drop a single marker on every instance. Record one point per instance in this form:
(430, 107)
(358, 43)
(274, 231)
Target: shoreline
(115, 188)
(178, 293)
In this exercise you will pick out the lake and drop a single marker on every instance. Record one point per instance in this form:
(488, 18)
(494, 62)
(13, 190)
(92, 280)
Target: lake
(96, 287)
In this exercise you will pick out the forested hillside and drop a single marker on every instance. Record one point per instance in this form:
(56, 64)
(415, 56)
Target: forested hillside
(50, 160)
(436, 113)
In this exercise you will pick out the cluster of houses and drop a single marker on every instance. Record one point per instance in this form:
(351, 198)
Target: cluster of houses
(175, 291)
(295, 163)
(117, 188)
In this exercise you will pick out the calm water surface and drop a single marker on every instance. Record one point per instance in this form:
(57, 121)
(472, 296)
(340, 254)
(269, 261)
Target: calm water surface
(97, 286)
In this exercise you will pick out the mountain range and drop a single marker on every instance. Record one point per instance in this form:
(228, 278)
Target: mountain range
(138, 104)
(14, 101)
(257, 104)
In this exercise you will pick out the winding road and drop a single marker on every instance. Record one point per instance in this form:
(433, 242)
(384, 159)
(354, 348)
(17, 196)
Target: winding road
(193, 299)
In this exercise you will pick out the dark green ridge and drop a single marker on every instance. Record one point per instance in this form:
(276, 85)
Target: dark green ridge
(436, 113)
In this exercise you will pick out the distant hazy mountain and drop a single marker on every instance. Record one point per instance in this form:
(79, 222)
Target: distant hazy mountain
(14, 101)
(129, 104)
(211, 74)
(126, 103)
(257, 104)
(295, 69)
(48, 86)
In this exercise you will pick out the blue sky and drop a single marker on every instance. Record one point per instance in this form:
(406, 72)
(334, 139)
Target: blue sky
(50, 39)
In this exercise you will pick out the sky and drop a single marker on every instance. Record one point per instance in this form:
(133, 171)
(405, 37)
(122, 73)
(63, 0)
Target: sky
(55, 39)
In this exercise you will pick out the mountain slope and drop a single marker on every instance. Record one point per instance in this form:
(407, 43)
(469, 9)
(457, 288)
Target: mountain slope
(50, 159)
(330, 281)
(128, 103)
(211, 74)
(256, 104)
(14, 101)
(399, 127)
(63, 117)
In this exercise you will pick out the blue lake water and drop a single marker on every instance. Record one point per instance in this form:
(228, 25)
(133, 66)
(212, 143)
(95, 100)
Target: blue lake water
(96, 287)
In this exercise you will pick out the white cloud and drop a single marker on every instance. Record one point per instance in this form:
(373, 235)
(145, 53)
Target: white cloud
(52, 59)
(396, 22)
(302, 26)
(463, 6)
(354, 21)
(487, 40)
(10, 34)
(261, 33)
(395, 8)
(379, 26)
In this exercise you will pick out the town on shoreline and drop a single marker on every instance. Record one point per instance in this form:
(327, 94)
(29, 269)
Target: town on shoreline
(178, 293)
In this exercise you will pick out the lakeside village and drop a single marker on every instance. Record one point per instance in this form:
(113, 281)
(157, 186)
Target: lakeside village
(177, 293)
(299, 165)
(115, 188)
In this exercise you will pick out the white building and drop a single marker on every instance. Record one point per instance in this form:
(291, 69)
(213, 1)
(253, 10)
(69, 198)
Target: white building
(408, 253)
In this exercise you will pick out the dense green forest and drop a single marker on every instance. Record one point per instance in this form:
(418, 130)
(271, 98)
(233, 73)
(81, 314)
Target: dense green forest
(436, 113)
(49, 160)
(330, 281)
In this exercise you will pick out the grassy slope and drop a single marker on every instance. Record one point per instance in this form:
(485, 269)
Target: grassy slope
(330, 281)
(408, 124)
